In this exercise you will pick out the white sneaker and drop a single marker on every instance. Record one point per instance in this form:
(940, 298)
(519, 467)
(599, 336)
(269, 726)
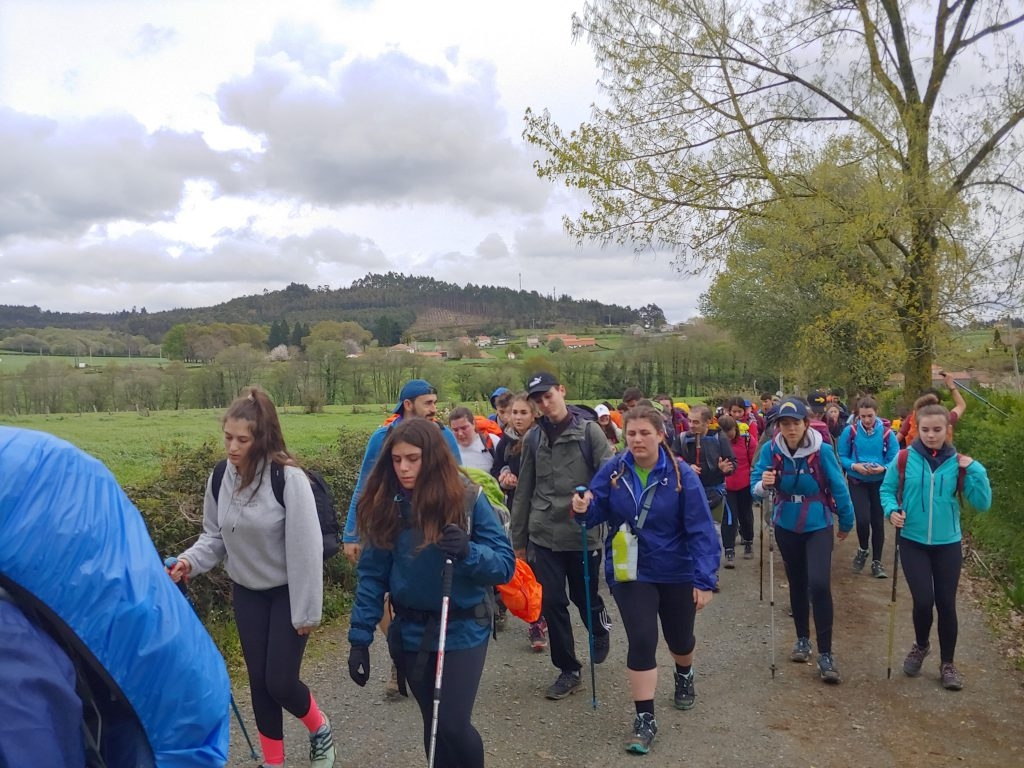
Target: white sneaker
(321, 746)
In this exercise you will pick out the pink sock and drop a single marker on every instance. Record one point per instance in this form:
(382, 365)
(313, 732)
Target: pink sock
(273, 750)
(314, 718)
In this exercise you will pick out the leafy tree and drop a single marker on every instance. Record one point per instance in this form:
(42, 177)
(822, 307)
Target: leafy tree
(719, 110)
(556, 345)
(387, 330)
(279, 334)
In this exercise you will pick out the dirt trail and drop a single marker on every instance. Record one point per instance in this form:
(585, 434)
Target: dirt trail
(743, 717)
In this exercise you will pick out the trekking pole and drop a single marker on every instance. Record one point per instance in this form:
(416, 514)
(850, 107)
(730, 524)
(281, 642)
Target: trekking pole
(760, 570)
(892, 602)
(970, 391)
(446, 596)
(182, 585)
(580, 490)
(771, 576)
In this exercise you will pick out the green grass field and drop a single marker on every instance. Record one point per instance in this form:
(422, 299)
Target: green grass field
(15, 362)
(129, 444)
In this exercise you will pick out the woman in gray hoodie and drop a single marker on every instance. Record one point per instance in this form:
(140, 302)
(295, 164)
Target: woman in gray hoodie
(274, 555)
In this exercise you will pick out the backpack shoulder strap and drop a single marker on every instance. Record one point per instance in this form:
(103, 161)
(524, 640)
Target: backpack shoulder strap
(218, 478)
(277, 481)
(901, 466)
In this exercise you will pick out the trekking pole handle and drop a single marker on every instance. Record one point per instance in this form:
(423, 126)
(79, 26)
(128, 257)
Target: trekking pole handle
(182, 585)
(447, 574)
(580, 490)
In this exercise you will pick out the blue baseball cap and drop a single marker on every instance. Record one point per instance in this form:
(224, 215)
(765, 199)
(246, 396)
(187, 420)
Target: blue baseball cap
(791, 408)
(496, 393)
(412, 389)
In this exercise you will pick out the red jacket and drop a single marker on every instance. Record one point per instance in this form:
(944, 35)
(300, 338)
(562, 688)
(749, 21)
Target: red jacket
(743, 447)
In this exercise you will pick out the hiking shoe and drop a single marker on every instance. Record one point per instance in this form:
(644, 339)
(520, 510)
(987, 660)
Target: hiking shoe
(686, 695)
(539, 635)
(321, 746)
(748, 550)
(827, 668)
(730, 558)
(877, 571)
(644, 729)
(951, 678)
(391, 689)
(859, 560)
(567, 682)
(500, 618)
(602, 644)
(801, 652)
(912, 664)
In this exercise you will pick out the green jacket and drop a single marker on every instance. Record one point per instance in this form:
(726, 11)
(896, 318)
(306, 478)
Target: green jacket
(548, 476)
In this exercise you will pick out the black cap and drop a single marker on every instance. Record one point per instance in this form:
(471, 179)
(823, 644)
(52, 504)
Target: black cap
(540, 383)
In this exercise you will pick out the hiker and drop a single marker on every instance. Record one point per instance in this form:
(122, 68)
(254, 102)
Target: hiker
(709, 454)
(417, 400)
(675, 419)
(866, 448)
(476, 449)
(417, 510)
(604, 420)
(908, 428)
(739, 409)
(807, 480)
(274, 557)
(834, 420)
(507, 460)
(562, 452)
(739, 502)
(500, 400)
(920, 498)
(647, 493)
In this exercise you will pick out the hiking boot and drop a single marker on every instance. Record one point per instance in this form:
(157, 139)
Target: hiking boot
(730, 558)
(644, 729)
(748, 550)
(951, 678)
(602, 644)
(912, 664)
(321, 746)
(567, 682)
(686, 695)
(827, 669)
(859, 560)
(877, 571)
(539, 635)
(801, 652)
(391, 690)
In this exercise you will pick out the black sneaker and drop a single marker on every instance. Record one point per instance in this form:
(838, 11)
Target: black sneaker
(912, 664)
(685, 695)
(801, 652)
(827, 669)
(602, 644)
(877, 570)
(748, 550)
(730, 558)
(859, 560)
(567, 682)
(645, 727)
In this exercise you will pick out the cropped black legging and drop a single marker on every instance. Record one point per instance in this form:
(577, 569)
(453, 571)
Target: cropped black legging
(458, 743)
(808, 561)
(640, 606)
(933, 575)
(273, 651)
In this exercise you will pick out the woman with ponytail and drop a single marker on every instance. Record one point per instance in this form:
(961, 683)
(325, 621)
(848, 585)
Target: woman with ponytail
(661, 558)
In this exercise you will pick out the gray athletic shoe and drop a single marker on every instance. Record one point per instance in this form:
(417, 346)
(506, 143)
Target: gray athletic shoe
(859, 560)
(827, 669)
(686, 694)
(877, 571)
(912, 664)
(952, 680)
(567, 683)
(801, 652)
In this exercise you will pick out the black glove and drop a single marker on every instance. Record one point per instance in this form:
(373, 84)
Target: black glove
(454, 542)
(359, 664)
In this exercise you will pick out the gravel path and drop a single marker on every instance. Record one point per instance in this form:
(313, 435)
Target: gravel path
(743, 717)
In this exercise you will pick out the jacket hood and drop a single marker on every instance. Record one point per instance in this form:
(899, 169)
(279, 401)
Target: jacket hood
(813, 443)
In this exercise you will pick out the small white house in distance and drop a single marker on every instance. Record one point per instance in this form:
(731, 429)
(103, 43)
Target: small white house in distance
(533, 342)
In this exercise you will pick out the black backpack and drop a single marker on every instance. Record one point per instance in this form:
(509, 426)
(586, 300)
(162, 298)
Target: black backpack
(325, 510)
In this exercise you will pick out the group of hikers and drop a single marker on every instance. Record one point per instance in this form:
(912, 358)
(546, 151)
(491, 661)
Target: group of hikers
(638, 486)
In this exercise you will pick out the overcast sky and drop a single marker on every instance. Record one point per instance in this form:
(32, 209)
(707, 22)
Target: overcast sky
(167, 154)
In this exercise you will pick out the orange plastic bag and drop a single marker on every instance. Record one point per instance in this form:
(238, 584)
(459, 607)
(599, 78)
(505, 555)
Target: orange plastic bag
(522, 595)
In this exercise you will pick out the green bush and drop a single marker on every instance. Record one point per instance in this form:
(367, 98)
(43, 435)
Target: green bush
(172, 506)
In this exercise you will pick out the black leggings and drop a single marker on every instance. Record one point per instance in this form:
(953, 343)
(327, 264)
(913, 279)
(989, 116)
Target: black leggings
(458, 743)
(640, 605)
(273, 655)
(741, 505)
(867, 506)
(808, 561)
(933, 574)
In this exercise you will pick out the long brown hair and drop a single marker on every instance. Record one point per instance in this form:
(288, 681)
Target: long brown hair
(437, 500)
(255, 407)
(653, 417)
(517, 446)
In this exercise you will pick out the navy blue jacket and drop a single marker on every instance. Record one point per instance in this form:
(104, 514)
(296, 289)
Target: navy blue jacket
(678, 543)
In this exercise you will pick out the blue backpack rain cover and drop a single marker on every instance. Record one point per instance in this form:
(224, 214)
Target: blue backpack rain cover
(78, 548)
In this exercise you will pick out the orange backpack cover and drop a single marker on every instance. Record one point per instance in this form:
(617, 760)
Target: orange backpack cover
(522, 595)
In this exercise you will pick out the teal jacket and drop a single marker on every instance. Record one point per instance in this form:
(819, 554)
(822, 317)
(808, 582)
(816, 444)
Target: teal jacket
(929, 495)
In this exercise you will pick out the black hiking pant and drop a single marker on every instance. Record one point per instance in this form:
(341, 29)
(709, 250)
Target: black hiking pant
(867, 506)
(458, 743)
(808, 561)
(273, 651)
(555, 570)
(641, 605)
(740, 512)
(933, 575)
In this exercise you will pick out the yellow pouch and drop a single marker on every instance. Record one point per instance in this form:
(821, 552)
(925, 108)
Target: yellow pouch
(625, 547)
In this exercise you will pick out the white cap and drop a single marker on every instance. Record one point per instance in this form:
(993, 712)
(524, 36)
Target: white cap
(602, 410)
